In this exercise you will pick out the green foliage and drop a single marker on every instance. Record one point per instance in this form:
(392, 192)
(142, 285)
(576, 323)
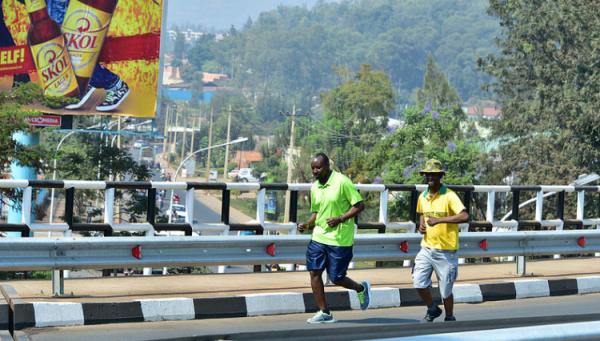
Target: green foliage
(12, 116)
(41, 274)
(290, 50)
(200, 53)
(89, 157)
(180, 45)
(187, 72)
(356, 116)
(427, 132)
(546, 81)
(436, 87)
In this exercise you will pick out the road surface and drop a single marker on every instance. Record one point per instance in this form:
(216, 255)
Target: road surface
(350, 325)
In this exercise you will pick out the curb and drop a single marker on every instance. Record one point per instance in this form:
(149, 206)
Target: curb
(50, 314)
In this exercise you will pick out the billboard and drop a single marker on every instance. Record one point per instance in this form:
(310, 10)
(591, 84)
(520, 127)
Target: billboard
(103, 53)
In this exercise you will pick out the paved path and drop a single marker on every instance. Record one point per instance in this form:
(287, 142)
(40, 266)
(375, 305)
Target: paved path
(188, 297)
(221, 285)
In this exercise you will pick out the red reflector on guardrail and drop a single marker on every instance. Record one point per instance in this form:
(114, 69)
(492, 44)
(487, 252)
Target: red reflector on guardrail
(271, 249)
(483, 244)
(137, 252)
(581, 242)
(404, 247)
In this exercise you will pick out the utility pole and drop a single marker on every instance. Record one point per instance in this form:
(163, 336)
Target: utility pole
(209, 144)
(184, 131)
(288, 194)
(166, 140)
(174, 139)
(227, 146)
(193, 135)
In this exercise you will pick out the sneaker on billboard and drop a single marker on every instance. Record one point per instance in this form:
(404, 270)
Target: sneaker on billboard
(114, 98)
(432, 315)
(365, 296)
(321, 317)
(88, 94)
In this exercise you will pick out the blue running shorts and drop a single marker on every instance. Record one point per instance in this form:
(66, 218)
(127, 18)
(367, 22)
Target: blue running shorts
(335, 259)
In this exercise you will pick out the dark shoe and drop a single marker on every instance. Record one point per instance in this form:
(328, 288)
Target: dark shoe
(432, 316)
(114, 98)
(450, 319)
(88, 94)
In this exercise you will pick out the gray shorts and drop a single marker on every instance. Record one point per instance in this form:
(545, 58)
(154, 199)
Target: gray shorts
(445, 265)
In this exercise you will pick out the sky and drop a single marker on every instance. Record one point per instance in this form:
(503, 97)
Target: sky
(221, 14)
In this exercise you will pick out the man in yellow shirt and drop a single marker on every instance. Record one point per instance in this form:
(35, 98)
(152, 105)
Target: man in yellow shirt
(334, 204)
(441, 212)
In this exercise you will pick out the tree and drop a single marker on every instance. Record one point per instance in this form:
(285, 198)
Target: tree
(358, 109)
(180, 45)
(197, 87)
(200, 53)
(12, 116)
(425, 133)
(546, 82)
(436, 88)
(187, 72)
(89, 157)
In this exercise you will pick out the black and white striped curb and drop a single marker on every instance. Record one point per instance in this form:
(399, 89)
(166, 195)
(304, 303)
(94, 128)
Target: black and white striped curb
(46, 314)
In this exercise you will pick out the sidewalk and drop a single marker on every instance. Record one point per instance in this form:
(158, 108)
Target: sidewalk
(177, 297)
(233, 284)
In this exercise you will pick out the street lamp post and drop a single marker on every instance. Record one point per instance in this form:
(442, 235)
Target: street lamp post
(241, 139)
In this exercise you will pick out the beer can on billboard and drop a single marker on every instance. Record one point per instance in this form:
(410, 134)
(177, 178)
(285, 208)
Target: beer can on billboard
(49, 52)
(84, 28)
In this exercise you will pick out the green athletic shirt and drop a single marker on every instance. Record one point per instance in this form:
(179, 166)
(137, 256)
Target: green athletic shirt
(333, 199)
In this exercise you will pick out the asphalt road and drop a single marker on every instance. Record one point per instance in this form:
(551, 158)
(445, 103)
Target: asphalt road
(350, 325)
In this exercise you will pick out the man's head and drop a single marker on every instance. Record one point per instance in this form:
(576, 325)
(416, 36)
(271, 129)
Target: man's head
(433, 173)
(320, 166)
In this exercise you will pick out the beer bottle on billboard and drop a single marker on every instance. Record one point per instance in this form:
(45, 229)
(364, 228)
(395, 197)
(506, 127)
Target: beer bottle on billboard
(49, 52)
(84, 28)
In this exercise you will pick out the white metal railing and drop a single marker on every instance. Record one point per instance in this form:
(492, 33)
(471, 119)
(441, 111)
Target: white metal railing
(384, 191)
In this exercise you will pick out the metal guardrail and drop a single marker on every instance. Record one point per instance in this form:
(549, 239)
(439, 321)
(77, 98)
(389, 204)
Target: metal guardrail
(122, 252)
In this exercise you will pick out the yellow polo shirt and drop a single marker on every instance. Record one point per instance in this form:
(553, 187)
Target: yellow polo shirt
(445, 203)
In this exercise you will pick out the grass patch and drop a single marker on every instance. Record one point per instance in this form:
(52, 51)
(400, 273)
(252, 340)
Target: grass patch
(247, 207)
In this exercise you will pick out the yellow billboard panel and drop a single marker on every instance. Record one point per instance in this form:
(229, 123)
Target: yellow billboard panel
(103, 53)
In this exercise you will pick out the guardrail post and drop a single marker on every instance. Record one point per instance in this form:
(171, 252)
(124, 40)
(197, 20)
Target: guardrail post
(383, 214)
(58, 283)
(560, 212)
(294, 215)
(260, 206)
(412, 211)
(69, 204)
(225, 212)
(521, 265)
(151, 206)
(225, 203)
(412, 216)
(515, 217)
(294, 206)
(539, 206)
(258, 267)
(467, 202)
(106, 272)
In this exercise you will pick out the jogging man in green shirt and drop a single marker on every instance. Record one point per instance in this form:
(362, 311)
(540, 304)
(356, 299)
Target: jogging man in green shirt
(334, 204)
